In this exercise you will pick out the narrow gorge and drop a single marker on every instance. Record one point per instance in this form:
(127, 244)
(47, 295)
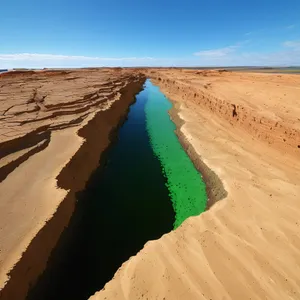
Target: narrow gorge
(141, 183)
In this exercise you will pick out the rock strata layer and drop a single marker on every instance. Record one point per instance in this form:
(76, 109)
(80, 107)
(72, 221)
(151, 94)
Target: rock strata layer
(244, 127)
(54, 125)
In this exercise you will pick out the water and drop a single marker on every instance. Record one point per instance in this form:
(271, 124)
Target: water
(147, 187)
(187, 190)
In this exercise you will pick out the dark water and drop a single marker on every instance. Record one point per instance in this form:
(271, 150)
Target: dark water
(125, 204)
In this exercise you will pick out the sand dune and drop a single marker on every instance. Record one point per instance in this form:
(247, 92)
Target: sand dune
(54, 125)
(246, 128)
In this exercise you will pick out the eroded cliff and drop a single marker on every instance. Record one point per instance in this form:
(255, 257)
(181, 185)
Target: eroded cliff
(54, 127)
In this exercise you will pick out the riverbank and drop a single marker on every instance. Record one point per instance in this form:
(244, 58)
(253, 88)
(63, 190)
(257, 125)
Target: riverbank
(55, 124)
(187, 189)
(214, 187)
(127, 189)
(242, 130)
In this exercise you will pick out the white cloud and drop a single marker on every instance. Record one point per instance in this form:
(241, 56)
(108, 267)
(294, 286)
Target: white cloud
(290, 26)
(221, 52)
(234, 55)
(36, 60)
(292, 44)
(276, 58)
(237, 55)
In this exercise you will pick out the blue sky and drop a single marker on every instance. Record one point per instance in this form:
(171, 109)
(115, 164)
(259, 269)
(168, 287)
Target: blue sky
(64, 33)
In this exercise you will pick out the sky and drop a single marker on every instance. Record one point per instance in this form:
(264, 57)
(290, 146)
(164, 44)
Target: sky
(65, 33)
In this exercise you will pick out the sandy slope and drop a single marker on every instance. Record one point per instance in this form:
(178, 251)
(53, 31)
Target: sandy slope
(47, 119)
(245, 127)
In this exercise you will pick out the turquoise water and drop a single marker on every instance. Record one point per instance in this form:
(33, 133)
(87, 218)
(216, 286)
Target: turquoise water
(187, 189)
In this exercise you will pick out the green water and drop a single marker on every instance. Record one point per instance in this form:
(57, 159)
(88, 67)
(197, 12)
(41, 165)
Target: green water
(187, 189)
(127, 201)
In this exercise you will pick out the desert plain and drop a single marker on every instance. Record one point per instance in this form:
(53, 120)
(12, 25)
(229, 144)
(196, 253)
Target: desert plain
(241, 129)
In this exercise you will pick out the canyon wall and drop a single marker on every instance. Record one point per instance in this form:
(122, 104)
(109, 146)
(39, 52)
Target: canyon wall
(54, 127)
(245, 128)
(259, 104)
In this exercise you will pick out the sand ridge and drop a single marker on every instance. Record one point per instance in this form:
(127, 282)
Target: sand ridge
(246, 246)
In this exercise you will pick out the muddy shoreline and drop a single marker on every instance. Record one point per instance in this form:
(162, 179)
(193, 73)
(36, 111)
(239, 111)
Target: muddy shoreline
(46, 246)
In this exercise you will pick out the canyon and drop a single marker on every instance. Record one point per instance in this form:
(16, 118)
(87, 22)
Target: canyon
(242, 132)
(55, 124)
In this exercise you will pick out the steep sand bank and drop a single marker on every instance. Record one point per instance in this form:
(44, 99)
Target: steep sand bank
(245, 127)
(214, 187)
(54, 127)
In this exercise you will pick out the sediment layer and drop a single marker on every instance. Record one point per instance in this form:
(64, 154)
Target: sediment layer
(54, 127)
(263, 105)
(244, 128)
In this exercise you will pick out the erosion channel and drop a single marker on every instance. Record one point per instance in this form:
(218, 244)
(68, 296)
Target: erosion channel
(147, 187)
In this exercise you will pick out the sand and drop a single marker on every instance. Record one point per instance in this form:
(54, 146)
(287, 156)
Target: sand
(54, 126)
(245, 127)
